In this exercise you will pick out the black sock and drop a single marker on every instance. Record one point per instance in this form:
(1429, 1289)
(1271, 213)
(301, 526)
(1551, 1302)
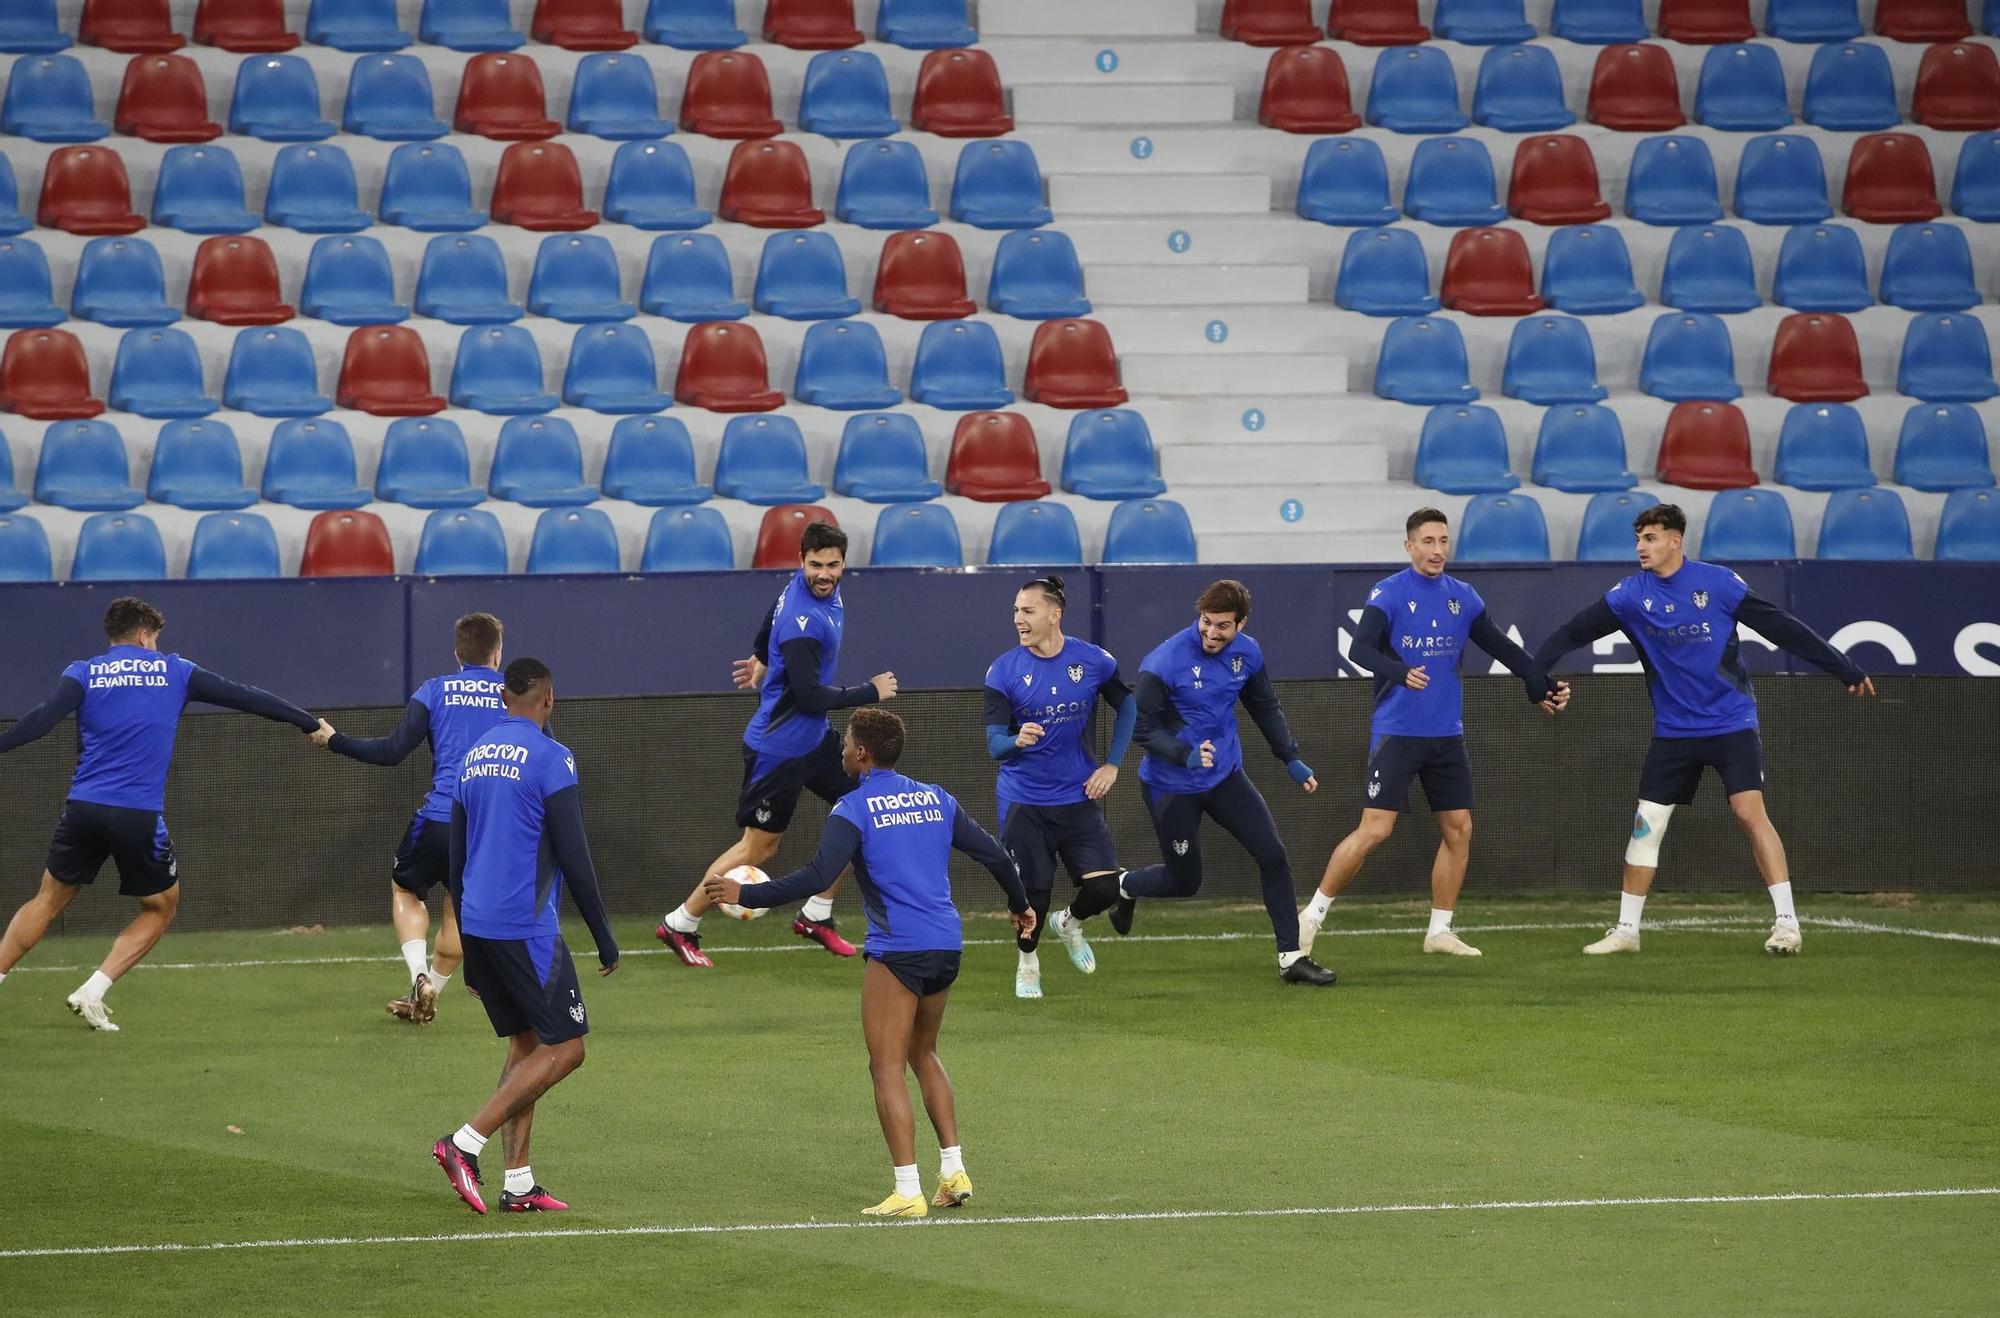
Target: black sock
(1098, 894)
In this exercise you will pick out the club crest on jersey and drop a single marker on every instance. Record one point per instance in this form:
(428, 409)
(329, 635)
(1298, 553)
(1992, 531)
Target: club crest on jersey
(1453, 606)
(1701, 599)
(1076, 672)
(1180, 846)
(1236, 664)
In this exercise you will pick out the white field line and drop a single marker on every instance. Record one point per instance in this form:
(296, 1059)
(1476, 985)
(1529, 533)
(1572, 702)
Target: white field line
(1052, 1219)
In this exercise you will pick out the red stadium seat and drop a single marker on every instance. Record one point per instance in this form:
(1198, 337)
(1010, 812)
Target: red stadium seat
(1555, 182)
(539, 187)
(1815, 358)
(1922, 20)
(1269, 22)
(84, 190)
(582, 25)
(728, 94)
(768, 184)
(1376, 22)
(386, 372)
(1958, 86)
(501, 96)
(994, 459)
(959, 95)
(1071, 363)
(1487, 273)
(248, 27)
(922, 277)
(345, 542)
(235, 282)
(1633, 89)
(1706, 446)
(778, 535)
(1306, 91)
(811, 24)
(1705, 22)
(165, 100)
(136, 27)
(723, 370)
(1889, 180)
(43, 374)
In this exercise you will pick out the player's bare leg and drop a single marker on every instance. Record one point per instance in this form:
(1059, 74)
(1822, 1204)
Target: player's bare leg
(156, 912)
(888, 1024)
(1642, 856)
(1769, 850)
(680, 929)
(1341, 868)
(1454, 853)
(33, 919)
(411, 920)
(520, 1194)
(954, 1186)
(538, 1068)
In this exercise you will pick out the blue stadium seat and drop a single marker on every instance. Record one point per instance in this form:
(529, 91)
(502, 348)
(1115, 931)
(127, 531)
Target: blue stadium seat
(1689, 356)
(1586, 271)
(1550, 359)
(884, 185)
(1747, 524)
(612, 370)
(277, 99)
(693, 24)
(463, 279)
(1823, 446)
(573, 540)
(119, 547)
(924, 24)
(200, 190)
(24, 550)
(801, 276)
(1599, 22)
(576, 280)
(1968, 530)
(29, 27)
(462, 542)
(652, 187)
(1034, 533)
(916, 535)
(1502, 528)
(1946, 359)
(1975, 185)
(651, 462)
(233, 546)
(10, 497)
(1672, 181)
(349, 282)
(959, 366)
(355, 25)
(842, 365)
(1989, 19)
(157, 373)
(1813, 22)
(1865, 524)
(1414, 90)
(27, 289)
(312, 190)
(998, 185)
(1345, 181)
(1482, 22)
(311, 464)
(1036, 276)
(468, 25)
(1929, 268)
(1463, 450)
(427, 187)
(425, 465)
(1820, 268)
(1942, 446)
(688, 540)
(1383, 272)
(1109, 455)
(1520, 90)
(197, 464)
(83, 467)
(883, 460)
(1581, 450)
(614, 97)
(272, 372)
(1606, 534)
(763, 460)
(1451, 182)
(119, 281)
(1781, 179)
(12, 221)
(1149, 531)
(688, 279)
(1423, 361)
(538, 461)
(498, 370)
(846, 94)
(1851, 87)
(48, 100)
(389, 98)
(1709, 269)
(1741, 89)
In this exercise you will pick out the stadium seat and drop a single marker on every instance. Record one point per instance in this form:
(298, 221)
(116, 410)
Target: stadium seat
(1928, 267)
(1688, 356)
(428, 188)
(1922, 20)
(723, 370)
(1942, 446)
(1036, 276)
(1812, 22)
(1606, 534)
(1815, 358)
(27, 291)
(1072, 363)
(1865, 525)
(1376, 22)
(1482, 22)
(1269, 22)
(1034, 533)
(959, 95)
(469, 25)
(1383, 272)
(1748, 524)
(575, 280)
(959, 366)
(85, 190)
(652, 187)
(1413, 90)
(277, 99)
(1586, 271)
(349, 282)
(612, 370)
(30, 28)
(425, 465)
(581, 25)
(1423, 361)
(83, 467)
(1554, 181)
(157, 373)
(1109, 455)
(1306, 91)
(1851, 87)
(693, 24)
(358, 26)
(846, 94)
(811, 24)
(1463, 450)
(498, 371)
(1823, 446)
(247, 27)
(44, 375)
(119, 547)
(1958, 86)
(1705, 22)
(132, 27)
(1599, 22)
(348, 543)
(994, 459)
(1487, 273)
(883, 460)
(883, 185)
(1451, 183)
(233, 546)
(311, 464)
(778, 534)
(998, 185)
(1741, 89)
(1968, 530)
(501, 96)
(801, 276)
(1820, 268)
(842, 365)
(769, 185)
(1706, 446)
(200, 190)
(921, 276)
(1520, 90)
(235, 282)
(539, 187)
(688, 540)
(614, 96)
(1781, 180)
(1345, 181)
(1672, 181)
(312, 190)
(538, 462)
(728, 95)
(1633, 89)
(119, 281)
(389, 98)
(461, 542)
(1502, 528)
(927, 24)
(1889, 180)
(1975, 186)
(762, 460)
(48, 99)
(463, 279)
(651, 462)
(11, 219)
(1709, 269)
(1581, 450)
(1151, 530)
(386, 372)
(1945, 359)
(916, 535)
(688, 279)
(1550, 359)
(163, 99)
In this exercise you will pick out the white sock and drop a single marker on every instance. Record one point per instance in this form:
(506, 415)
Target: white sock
(520, 1180)
(1031, 964)
(1440, 922)
(96, 986)
(817, 908)
(414, 958)
(3, 977)
(469, 1140)
(907, 1184)
(1629, 906)
(438, 978)
(1781, 897)
(681, 922)
(1285, 959)
(1319, 905)
(951, 1161)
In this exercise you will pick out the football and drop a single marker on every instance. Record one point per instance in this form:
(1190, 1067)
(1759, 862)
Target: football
(744, 874)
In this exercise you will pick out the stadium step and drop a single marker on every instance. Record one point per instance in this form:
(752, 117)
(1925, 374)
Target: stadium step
(1109, 101)
(1302, 544)
(1087, 18)
(1259, 464)
(1181, 284)
(1200, 373)
(1155, 194)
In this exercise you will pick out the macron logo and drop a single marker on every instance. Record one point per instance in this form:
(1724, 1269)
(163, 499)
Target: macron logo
(801, 621)
(903, 800)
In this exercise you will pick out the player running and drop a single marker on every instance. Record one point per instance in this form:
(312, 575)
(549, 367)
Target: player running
(450, 712)
(1681, 615)
(517, 840)
(128, 704)
(789, 746)
(1188, 689)
(1419, 724)
(1039, 697)
(899, 834)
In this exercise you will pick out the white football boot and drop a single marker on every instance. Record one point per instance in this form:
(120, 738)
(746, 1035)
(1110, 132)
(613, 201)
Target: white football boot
(1449, 943)
(1784, 939)
(1308, 930)
(1070, 930)
(1028, 979)
(1616, 939)
(95, 1014)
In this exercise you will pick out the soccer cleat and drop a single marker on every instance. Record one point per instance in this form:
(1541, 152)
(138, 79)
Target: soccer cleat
(462, 1170)
(1305, 970)
(1308, 930)
(403, 1009)
(1028, 984)
(95, 1014)
(953, 1191)
(899, 1205)
(1070, 930)
(1121, 914)
(423, 1000)
(1445, 941)
(1784, 939)
(1617, 939)
(536, 1200)
(825, 933)
(685, 946)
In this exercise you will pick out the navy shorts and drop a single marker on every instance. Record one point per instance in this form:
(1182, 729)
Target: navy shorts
(90, 834)
(922, 973)
(1035, 835)
(1673, 765)
(526, 984)
(1440, 763)
(771, 786)
(423, 861)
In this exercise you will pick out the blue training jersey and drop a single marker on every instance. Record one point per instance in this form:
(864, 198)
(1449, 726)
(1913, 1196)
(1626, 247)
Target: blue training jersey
(1684, 628)
(1429, 621)
(131, 711)
(779, 729)
(462, 706)
(512, 885)
(1058, 693)
(904, 866)
(1203, 689)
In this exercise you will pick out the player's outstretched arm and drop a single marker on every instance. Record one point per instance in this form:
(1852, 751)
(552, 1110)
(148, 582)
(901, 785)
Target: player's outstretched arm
(976, 842)
(214, 689)
(1261, 699)
(808, 693)
(1592, 622)
(37, 722)
(1789, 633)
(563, 817)
(839, 844)
(1157, 729)
(1486, 634)
(392, 749)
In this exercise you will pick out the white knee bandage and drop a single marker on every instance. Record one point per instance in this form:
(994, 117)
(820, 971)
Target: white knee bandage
(1648, 827)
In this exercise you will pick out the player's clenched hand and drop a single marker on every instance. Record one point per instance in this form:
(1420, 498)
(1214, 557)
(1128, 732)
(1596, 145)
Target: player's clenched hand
(718, 889)
(885, 685)
(1557, 700)
(1100, 782)
(1417, 679)
(607, 967)
(1029, 734)
(323, 734)
(1024, 923)
(748, 674)
(1865, 687)
(1206, 754)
